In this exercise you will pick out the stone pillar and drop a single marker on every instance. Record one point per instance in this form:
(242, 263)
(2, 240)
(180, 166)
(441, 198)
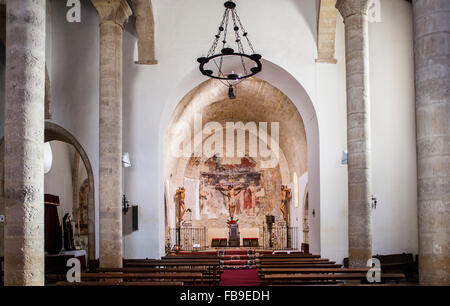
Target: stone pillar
(358, 130)
(24, 140)
(432, 61)
(112, 13)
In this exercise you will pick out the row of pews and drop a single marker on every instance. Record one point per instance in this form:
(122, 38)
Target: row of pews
(167, 271)
(307, 269)
(205, 270)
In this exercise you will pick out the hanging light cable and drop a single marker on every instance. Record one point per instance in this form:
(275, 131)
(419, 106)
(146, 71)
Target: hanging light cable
(231, 65)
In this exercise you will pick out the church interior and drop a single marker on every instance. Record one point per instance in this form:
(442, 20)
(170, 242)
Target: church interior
(224, 142)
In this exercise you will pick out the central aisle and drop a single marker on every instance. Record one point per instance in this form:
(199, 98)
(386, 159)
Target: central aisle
(241, 277)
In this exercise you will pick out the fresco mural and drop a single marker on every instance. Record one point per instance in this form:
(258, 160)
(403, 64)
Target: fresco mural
(220, 177)
(256, 194)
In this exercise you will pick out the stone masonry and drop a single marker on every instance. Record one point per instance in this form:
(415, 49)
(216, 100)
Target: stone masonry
(24, 139)
(358, 130)
(112, 16)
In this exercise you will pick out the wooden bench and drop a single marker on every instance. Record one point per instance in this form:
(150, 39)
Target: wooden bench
(292, 260)
(185, 257)
(213, 266)
(302, 265)
(266, 271)
(185, 277)
(299, 255)
(291, 263)
(301, 279)
(119, 283)
(208, 278)
(403, 263)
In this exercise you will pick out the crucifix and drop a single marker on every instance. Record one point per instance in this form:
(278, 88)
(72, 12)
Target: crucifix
(230, 192)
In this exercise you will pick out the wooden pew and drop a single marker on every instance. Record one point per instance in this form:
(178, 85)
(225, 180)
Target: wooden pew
(201, 257)
(268, 256)
(185, 277)
(212, 266)
(301, 279)
(402, 263)
(119, 283)
(154, 270)
(297, 265)
(209, 277)
(290, 263)
(266, 271)
(300, 260)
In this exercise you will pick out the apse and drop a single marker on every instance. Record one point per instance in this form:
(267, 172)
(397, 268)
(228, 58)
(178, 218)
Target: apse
(261, 152)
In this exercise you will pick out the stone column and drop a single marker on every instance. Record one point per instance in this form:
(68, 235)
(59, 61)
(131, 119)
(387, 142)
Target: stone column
(113, 13)
(24, 140)
(432, 68)
(358, 130)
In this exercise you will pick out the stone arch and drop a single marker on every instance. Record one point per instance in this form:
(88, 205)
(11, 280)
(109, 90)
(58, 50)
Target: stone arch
(286, 83)
(259, 100)
(56, 132)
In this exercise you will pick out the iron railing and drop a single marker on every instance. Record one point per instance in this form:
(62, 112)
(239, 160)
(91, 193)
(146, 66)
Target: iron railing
(188, 238)
(280, 237)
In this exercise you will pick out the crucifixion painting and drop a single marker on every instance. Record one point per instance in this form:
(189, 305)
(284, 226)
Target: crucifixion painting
(230, 192)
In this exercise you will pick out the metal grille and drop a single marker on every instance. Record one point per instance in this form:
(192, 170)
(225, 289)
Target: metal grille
(280, 238)
(190, 238)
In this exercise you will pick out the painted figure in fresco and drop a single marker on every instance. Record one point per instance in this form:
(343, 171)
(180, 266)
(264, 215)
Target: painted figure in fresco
(248, 200)
(285, 197)
(181, 194)
(231, 192)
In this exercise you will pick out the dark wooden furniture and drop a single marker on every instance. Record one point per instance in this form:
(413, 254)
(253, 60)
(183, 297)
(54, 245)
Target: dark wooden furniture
(219, 242)
(305, 279)
(250, 242)
(401, 263)
(119, 283)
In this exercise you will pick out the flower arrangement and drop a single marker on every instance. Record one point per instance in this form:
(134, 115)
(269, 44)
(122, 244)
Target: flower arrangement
(232, 221)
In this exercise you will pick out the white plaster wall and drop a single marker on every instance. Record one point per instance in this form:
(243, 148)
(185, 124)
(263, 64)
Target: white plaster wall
(184, 30)
(394, 177)
(58, 181)
(73, 68)
(331, 111)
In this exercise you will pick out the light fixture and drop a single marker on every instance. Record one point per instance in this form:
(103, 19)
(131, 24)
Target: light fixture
(231, 64)
(374, 202)
(344, 160)
(48, 157)
(126, 163)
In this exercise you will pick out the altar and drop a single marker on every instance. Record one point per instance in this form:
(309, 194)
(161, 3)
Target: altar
(234, 237)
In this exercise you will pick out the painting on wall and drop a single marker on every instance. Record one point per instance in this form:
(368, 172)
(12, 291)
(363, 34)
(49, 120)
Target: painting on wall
(81, 213)
(242, 174)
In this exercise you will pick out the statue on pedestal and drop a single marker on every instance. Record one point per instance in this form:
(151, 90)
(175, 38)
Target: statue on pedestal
(285, 198)
(181, 207)
(68, 233)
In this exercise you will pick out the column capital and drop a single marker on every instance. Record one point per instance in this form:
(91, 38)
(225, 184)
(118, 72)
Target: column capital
(116, 11)
(352, 7)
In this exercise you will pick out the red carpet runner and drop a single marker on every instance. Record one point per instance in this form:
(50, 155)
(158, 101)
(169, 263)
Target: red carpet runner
(237, 259)
(243, 277)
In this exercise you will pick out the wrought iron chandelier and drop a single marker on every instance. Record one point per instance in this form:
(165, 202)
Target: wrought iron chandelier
(231, 65)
